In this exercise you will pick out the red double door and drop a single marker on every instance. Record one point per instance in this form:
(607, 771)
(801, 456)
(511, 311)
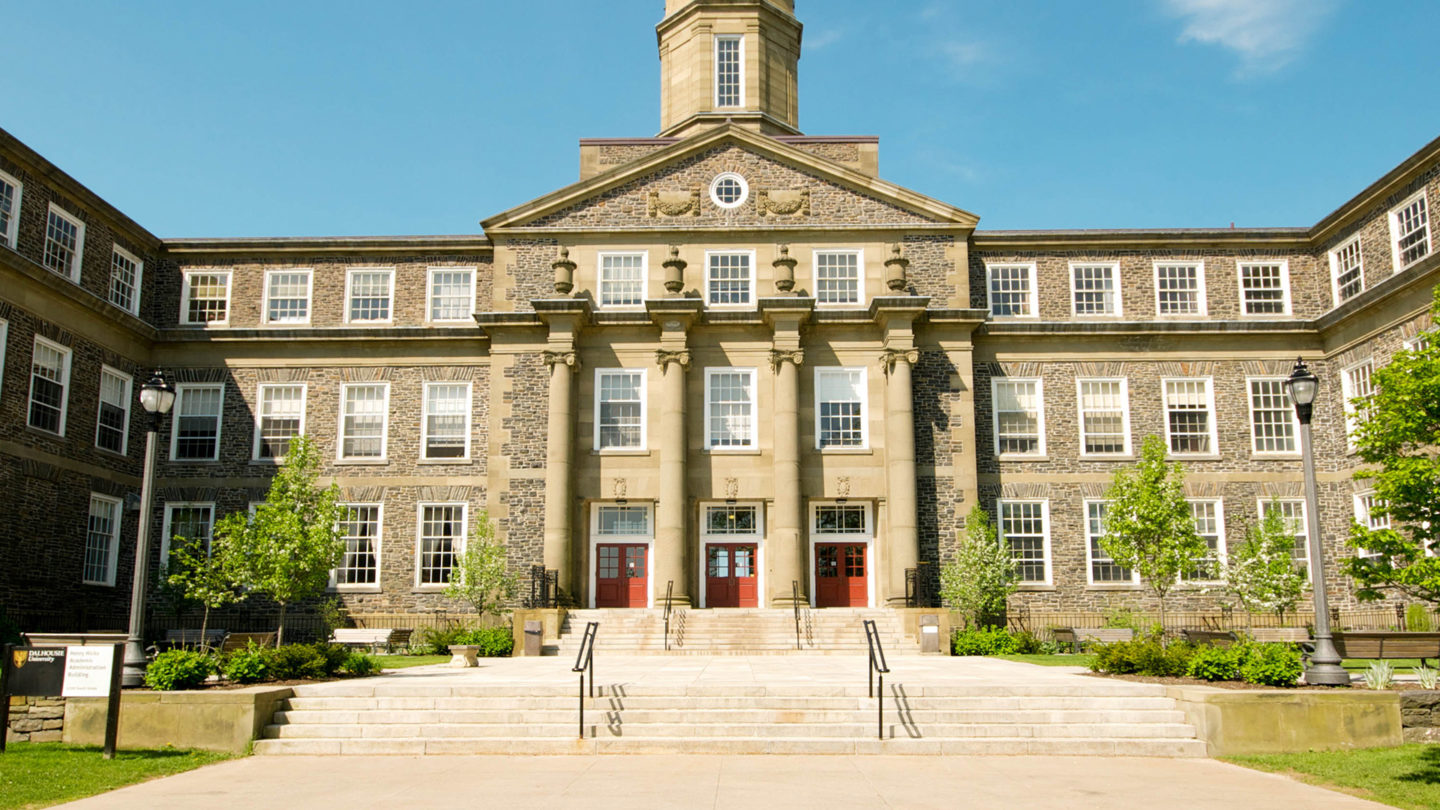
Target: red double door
(840, 575)
(622, 577)
(730, 579)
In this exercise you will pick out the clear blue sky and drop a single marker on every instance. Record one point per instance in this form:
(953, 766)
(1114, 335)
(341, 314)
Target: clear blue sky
(346, 117)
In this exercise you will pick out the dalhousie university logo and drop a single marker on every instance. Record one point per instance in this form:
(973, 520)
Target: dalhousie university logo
(20, 656)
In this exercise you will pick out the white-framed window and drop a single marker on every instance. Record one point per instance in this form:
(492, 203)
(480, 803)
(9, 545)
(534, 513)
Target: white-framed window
(1418, 343)
(1347, 271)
(729, 190)
(4, 345)
(360, 526)
(102, 540)
(126, 270)
(730, 278)
(196, 432)
(617, 522)
(49, 386)
(1273, 424)
(1368, 513)
(620, 409)
(1292, 511)
(10, 191)
(730, 408)
(1100, 568)
(1264, 288)
(364, 421)
(1356, 382)
(731, 521)
(1180, 289)
(1210, 525)
(1104, 416)
(190, 520)
(1410, 231)
(838, 278)
(840, 408)
(205, 297)
(829, 519)
(451, 294)
(1011, 290)
(1019, 408)
(369, 295)
(1025, 530)
(622, 280)
(64, 243)
(445, 431)
(439, 540)
(279, 418)
(287, 296)
(1095, 288)
(112, 423)
(1190, 416)
(729, 70)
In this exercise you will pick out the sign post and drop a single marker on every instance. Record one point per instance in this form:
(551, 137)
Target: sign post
(63, 671)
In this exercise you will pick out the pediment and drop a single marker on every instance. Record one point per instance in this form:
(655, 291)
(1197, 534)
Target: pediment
(788, 187)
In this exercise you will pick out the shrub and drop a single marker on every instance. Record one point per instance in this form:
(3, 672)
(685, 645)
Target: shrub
(248, 665)
(437, 640)
(1214, 664)
(1143, 656)
(494, 642)
(1380, 675)
(1418, 619)
(1428, 677)
(300, 661)
(179, 669)
(360, 664)
(1271, 664)
(335, 655)
(985, 641)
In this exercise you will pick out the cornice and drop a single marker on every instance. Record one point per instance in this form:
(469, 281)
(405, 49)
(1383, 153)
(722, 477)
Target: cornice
(323, 245)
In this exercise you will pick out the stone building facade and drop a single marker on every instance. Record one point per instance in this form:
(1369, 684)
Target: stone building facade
(730, 357)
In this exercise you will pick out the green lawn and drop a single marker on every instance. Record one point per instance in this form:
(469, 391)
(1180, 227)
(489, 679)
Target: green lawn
(1408, 776)
(1362, 664)
(405, 661)
(1082, 660)
(42, 774)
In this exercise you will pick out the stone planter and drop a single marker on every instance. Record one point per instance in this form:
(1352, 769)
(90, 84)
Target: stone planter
(465, 655)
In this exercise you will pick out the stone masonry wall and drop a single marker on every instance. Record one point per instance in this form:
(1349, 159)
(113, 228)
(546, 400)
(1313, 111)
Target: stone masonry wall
(1420, 715)
(36, 719)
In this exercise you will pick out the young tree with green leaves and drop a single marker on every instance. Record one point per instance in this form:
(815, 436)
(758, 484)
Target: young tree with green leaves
(480, 576)
(979, 581)
(1398, 433)
(1260, 572)
(204, 575)
(1149, 527)
(288, 547)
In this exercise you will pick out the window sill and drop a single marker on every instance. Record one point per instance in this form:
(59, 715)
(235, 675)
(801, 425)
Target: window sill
(370, 323)
(428, 588)
(49, 434)
(266, 462)
(111, 453)
(284, 324)
(1045, 457)
(1134, 586)
(845, 451)
(1036, 588)
(1100, 457)
(738, 451)
(89, 584)
(1276, 456)
(1192, 456)
(361, 462)
(621, 453)
(353, 589)
(443, 461)
(193, 461)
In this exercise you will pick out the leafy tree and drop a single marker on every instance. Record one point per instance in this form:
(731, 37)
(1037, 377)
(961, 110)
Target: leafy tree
(980, 579)
(1398, 431)
(1149, 527)
(1261, 572)
(204, 575)
(289, 546)
(480, 576)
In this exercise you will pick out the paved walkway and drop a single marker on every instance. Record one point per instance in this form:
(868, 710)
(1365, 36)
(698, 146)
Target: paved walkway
(740, 782)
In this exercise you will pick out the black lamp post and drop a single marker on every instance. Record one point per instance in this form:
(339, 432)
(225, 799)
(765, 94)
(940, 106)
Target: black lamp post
(1324, 669)
(157, 397)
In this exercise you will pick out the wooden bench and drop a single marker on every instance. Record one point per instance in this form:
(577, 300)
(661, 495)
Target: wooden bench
(374, 639)
(240, 641)
(1214, 638)
(1076, 636)
(191, 639)
(1282, 635)
(1387, 644)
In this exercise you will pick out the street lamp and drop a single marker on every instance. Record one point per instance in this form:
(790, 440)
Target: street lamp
(157, 397)
(1324, 669)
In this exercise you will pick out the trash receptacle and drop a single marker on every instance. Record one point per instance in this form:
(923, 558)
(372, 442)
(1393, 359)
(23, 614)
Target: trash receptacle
(929, 633)
(533, 637)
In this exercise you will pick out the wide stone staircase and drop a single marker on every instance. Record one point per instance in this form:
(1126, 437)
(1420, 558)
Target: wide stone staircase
(394, 717)
(734, 631)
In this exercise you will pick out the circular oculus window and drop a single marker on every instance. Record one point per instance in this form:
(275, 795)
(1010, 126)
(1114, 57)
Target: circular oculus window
(729, 190)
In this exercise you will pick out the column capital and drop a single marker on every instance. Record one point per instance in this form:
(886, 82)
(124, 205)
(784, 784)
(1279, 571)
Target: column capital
(566, 358)
(665, 357)
(889, 357)
(779, 357)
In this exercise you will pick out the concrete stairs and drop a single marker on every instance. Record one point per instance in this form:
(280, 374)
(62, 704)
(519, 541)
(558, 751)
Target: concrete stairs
(1101, 719)
(733, 631)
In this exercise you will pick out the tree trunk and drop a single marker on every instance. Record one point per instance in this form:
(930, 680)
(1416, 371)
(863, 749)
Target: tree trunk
(1162, 618)
(204, 625)
(280, 633)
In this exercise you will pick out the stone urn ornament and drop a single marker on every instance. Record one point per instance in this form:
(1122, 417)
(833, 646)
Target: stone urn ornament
(785, 271)
(674, 272)
(895, 270)
(464, 656)
(564, 272)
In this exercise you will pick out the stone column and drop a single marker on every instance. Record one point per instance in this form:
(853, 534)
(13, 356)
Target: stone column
(785, 546)
(902, 545)
(669, 563)
(559, 461)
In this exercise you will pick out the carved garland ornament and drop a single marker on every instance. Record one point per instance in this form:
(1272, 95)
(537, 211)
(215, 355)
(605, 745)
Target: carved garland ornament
(783, 203)
(675, 203)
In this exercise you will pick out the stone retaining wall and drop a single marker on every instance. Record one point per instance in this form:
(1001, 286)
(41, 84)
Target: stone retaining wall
(1420, 714)
(37, 719)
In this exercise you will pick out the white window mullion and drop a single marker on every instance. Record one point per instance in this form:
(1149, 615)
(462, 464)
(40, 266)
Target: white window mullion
(730, 408)
(439, 540)
(112, 423)
(1012, 290)
(840, 408)
(369, 295)
(1264, 288)
(1019, 417)
(1180, 289)
(445, 425)
(1190, 416)
(1095, 289)
(1104, 416)
(1025, 530)
(279, 418)
(49, 386)
(364, 421)
(1410, 231)
(64, 243)
(360, 530)
(620, 409)
(102, 540)
(11, 190)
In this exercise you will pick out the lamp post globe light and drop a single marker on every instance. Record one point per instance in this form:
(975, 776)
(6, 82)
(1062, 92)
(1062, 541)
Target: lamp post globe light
(1324, 668)
(157, 397)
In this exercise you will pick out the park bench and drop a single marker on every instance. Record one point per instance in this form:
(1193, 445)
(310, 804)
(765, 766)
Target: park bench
(373, 638)
(1214, 638)
(239, 641)
(1076, 636)
(191, 639)
(1282, 635)
(1387, 644)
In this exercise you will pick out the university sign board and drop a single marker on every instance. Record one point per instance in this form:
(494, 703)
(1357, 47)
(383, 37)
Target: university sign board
(63, 671)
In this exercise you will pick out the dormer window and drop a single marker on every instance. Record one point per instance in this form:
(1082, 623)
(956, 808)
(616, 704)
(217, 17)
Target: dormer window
(729, 74)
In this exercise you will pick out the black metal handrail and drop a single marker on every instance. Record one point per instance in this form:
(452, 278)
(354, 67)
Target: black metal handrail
(877, 666)
(669, 589)
(795, 602)
(585, 660)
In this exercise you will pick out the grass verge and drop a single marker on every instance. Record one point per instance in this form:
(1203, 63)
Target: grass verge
(1081, 660)
(42, 774)
(407, 661)
(1407, 776)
